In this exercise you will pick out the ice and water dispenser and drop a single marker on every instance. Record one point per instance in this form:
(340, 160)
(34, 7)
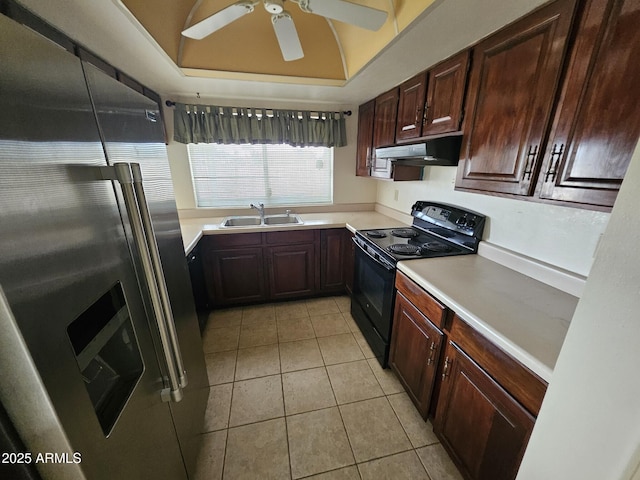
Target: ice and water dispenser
(108, 355)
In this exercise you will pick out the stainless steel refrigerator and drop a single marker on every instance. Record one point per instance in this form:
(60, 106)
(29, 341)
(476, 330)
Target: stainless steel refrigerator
(100, 350)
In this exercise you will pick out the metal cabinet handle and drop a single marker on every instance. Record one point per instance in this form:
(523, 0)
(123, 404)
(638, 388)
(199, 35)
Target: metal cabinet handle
(556, 154)
(531, 161)
(445, 369)
(158, 270)
(122, 173)
(432, 352)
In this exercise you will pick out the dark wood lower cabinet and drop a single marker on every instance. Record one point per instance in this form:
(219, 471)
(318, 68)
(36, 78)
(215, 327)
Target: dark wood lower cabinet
(291, 271)
(334, 254)
(482, 401)
(349, 263)
(243, 268)
(237, 276)
(415, 350)
(483, 428)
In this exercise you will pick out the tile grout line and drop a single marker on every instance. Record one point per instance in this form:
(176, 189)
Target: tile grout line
(233, 384)
(286, 425)
(353, 454)
(285, 415)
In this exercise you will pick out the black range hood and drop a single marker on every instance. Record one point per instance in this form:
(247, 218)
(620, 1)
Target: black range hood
(438, 151)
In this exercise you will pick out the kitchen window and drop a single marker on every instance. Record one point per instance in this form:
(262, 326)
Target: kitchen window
(237, 175)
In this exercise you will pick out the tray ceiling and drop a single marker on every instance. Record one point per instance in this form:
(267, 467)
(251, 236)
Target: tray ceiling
(247, 49)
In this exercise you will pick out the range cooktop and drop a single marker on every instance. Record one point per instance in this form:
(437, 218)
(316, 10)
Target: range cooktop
(438, 230)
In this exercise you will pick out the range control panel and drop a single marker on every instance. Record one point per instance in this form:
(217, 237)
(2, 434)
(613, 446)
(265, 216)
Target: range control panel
(448, 216)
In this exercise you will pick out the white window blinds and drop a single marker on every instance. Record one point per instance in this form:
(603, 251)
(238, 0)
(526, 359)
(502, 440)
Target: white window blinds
(237, 175)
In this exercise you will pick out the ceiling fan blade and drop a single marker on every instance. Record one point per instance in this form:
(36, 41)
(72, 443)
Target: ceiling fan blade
(347, 12)
(287, 36)
(218, 20)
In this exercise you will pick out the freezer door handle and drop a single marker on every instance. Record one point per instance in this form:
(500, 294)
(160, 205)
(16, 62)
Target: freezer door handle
(122, 173)
(158, 271)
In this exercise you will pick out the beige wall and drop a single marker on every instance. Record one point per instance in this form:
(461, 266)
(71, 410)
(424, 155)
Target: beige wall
(347, 188)
(560, 236)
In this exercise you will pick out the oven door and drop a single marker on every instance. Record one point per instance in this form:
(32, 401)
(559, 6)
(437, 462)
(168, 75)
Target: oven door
(373, 298)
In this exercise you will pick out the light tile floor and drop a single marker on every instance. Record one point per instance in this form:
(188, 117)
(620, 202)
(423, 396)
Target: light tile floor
(296, 393)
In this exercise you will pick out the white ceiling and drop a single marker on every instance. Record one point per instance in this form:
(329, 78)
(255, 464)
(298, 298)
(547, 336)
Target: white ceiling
(443, 29)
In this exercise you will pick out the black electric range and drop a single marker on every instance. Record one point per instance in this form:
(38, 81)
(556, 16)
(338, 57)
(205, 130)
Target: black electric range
(437, 230)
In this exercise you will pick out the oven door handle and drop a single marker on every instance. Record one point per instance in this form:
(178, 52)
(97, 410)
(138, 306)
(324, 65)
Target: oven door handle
(386, 266)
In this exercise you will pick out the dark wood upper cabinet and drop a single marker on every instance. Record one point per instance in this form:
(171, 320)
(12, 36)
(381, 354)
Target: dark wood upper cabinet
(384, 123)
(512, 87)
(444, 105)
(484, 429)
(597, 123)
(384, 135)
(411, 107)
(431, 103)
(364, 148)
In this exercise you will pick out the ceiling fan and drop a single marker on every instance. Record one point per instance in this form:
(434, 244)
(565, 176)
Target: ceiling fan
(341, 10)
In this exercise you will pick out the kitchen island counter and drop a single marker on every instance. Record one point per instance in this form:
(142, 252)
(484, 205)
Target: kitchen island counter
(524, 317)
(194, 228)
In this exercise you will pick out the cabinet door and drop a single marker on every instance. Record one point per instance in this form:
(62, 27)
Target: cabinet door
(332, 260)
(384, 122)
(483, 428)
(364, 149)
(415, 350)
(597, 124)
(291, 271)
(445, 97)
(350, 260)
(511, 91)
(238, 276)
(411, 107)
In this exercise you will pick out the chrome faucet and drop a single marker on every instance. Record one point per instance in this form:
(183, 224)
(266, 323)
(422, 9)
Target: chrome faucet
(260, 208)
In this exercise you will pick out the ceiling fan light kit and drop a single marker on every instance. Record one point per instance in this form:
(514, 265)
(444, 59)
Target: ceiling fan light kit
(341, 10)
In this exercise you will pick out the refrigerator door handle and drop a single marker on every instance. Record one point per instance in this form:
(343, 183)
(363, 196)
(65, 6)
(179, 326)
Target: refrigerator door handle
(122, 173)
(152, 243)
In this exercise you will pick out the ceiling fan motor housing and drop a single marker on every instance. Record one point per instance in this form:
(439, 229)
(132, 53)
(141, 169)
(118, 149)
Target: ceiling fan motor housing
(274, 6)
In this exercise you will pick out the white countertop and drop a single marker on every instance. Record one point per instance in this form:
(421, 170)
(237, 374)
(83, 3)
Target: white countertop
(193, 228)
(526, 318)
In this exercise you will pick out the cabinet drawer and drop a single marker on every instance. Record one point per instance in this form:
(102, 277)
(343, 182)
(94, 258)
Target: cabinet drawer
(290, 237)
(233, 240)
(524, 385)
(429, 306)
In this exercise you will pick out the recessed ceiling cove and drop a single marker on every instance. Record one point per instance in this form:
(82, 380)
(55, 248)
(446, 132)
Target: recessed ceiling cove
(321, 42)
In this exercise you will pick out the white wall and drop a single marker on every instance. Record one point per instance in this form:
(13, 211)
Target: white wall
(347, 188)
(561, 236)
(589, 423)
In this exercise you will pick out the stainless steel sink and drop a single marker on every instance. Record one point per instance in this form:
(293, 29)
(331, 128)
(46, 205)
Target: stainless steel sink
(252, 221)
(241, 222)
(290, 219)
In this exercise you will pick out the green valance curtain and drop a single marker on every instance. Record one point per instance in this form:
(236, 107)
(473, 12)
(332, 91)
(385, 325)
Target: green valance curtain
(231, 125)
